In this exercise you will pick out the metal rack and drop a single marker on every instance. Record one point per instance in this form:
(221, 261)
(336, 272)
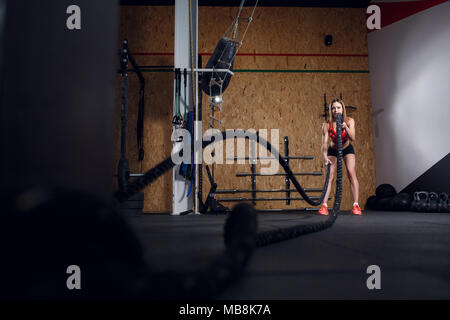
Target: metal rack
(254, 174)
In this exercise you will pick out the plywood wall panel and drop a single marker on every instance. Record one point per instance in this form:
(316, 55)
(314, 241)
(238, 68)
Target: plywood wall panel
(290, 102)
(149, 29)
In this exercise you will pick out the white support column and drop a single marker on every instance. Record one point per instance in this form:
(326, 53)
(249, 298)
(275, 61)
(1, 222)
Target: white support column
(182, 60)
(198, 127)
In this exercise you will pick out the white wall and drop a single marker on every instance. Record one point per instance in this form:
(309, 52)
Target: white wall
(410, 88)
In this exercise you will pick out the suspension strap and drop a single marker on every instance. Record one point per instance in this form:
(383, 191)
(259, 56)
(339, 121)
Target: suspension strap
(234, 38)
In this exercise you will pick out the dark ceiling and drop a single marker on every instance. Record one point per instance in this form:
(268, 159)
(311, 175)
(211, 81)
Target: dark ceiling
(261, 3)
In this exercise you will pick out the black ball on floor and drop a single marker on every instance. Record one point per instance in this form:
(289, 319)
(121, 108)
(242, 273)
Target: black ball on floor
(385, 190)
(386, 204)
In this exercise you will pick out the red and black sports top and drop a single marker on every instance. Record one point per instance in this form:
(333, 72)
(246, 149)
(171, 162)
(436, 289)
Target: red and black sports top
(333, 134)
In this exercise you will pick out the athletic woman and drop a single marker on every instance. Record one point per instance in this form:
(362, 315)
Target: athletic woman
(348, 153)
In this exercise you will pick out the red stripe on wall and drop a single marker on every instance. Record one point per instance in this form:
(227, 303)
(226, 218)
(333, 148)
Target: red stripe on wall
(263, 54)
(395, 11)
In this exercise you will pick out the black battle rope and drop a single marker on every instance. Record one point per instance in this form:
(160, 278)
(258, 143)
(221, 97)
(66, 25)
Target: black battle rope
(154, 173)
(273, 236)
(225, 269)
(240, 236)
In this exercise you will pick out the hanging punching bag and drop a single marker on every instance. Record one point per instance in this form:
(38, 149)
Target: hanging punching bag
(222, 58)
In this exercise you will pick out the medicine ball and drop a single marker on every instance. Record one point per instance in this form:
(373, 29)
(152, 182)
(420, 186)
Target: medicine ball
(385, 190)
(386, 203)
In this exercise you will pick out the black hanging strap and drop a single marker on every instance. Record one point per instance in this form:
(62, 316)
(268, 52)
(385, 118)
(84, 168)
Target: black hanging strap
(141, 106)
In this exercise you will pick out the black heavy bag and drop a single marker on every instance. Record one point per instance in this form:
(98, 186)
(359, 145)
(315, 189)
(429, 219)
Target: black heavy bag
(402, 202)
(222, 58)
(385, 190)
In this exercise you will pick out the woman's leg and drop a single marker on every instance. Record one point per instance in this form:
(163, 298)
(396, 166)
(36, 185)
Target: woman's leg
(350, 164)
(330, 182)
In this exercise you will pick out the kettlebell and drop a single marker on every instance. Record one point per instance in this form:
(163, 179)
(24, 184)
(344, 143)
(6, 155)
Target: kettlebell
(415, 202)
(421, 201)
(433, 199)
(442, 203)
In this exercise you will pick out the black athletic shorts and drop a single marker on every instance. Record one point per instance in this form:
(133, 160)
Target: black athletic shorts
(333, 152)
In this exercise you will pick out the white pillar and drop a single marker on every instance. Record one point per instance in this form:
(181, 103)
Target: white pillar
(182, 60)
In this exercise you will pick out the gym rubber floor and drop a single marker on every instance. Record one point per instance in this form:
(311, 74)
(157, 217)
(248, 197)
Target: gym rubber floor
(411, 249)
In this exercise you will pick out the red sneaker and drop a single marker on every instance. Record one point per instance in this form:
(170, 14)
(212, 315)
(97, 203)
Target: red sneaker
(356, 210)
(323, 210)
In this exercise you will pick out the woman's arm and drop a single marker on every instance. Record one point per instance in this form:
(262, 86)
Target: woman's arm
(325, 142)
(350, 128)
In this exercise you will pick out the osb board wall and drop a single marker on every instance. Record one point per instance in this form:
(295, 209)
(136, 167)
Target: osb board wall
(290, 102)
(296, 115)
(149, 29)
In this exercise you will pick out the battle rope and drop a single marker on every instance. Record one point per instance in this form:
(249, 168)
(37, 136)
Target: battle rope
(240, 236)
(225, 269)
(269, 237)
(154, 173)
